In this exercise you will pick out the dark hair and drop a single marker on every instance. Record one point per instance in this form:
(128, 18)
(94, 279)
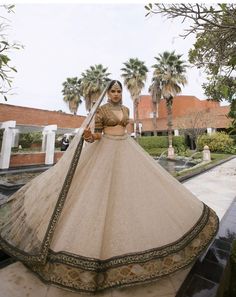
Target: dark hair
(112, 84)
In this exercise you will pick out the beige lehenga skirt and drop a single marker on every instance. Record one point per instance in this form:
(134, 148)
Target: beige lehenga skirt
(124, 220)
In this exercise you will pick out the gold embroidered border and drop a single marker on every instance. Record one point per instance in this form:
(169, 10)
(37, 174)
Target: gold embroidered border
(42, 255)
(86, 263)
(127, 272)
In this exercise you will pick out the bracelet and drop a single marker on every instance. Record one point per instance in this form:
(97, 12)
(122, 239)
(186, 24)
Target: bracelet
(89, 139)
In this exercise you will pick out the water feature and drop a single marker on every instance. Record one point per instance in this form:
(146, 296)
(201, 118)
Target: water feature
(162, 155)
(11, 182)
(173, 166)
(190, 158)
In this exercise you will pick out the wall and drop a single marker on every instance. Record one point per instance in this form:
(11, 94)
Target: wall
(183, 106)
(24, 159)
(40, 117)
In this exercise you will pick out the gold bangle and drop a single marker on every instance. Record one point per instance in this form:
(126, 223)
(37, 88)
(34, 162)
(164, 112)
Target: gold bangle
(89, 139)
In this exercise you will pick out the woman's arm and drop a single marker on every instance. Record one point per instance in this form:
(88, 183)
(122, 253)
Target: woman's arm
(91, 137)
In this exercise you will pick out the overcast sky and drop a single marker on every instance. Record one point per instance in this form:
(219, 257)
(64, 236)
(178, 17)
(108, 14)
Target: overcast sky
(63, 40)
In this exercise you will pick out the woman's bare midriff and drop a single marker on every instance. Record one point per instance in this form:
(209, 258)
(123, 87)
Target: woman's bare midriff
(117, 130)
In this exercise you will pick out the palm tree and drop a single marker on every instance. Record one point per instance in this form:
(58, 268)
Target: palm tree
(135, 74)
(155, 92)
(168, 75)
(93, 82)
(71, 93)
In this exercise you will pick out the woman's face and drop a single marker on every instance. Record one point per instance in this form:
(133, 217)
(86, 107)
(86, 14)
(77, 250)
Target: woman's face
(115, 93)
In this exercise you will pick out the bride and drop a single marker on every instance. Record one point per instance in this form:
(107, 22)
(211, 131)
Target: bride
(115, 219)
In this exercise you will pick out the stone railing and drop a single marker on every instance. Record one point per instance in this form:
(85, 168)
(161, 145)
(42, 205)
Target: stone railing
(11, 138)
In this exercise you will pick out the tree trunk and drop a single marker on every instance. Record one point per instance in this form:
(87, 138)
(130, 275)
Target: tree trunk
(136, 117)
(169, 102)
(154, 118)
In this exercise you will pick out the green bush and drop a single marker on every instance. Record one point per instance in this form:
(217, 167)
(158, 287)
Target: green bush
(179, 144)
(148, 142)
(152, 143)
(25, 140)
(217, 142)
(234, 138)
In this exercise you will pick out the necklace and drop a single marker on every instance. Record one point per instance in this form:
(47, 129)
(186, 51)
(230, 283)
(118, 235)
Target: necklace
(115, 106)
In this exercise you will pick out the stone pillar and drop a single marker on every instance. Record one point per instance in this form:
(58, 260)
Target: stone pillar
(209, 130)
(176, 132)
(7, 141)
(140, 127)
(171, 152)
(43, 147)
(49, 143)
(16, 136)
(206, 154)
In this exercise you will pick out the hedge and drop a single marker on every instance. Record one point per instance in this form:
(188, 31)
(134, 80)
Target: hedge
(217, 142)
(149, 142)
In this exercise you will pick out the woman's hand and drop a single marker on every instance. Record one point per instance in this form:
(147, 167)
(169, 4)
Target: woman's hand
(88, 135)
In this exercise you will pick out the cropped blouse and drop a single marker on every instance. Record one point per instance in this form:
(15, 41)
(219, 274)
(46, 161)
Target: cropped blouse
(105, 117)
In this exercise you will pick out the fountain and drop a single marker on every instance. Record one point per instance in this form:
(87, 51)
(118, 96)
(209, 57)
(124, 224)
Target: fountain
(190, 158)
(162, 154)
(175, 165)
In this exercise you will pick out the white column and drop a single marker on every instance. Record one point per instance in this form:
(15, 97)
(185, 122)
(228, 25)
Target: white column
(206, 154)
(176, 132)
(209, 130)
(43, 147)
(16, 136)
(140, 127)
(50, 135)
(171, 152)
(7, 141)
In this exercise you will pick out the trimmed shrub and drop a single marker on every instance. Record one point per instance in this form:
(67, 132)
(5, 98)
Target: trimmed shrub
(150, 143)
(217, 142)
(234, 138)
(179, 144)
(25, 140)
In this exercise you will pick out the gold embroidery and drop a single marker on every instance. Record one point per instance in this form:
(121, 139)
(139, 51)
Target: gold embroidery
(105, 117)
(90, 275)
(42, 255)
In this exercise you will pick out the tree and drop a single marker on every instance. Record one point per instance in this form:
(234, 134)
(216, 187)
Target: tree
(71, 92)
(135, 74)
(232, 115)
(93, 81)
(215, 48)
(195, 124)
(155, 92)
(5, 47)
(167, 77)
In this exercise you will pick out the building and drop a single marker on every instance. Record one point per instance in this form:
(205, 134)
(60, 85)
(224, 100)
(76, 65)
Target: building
(16, 120)
(38, 117)
(188, 113)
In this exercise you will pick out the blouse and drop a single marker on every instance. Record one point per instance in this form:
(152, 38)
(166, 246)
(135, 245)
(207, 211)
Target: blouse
(106, 118)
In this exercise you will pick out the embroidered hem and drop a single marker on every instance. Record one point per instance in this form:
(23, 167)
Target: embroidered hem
(90, 275)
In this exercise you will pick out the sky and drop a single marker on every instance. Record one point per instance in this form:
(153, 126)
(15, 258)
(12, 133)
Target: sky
(62, 40)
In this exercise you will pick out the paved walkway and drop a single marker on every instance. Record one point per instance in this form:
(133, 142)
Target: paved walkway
(216, 188)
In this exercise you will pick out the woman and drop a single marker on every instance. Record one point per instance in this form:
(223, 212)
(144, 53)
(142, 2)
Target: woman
(65, 143)
(124, 220)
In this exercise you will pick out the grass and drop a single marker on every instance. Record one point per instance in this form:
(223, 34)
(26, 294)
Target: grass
(216, 158)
